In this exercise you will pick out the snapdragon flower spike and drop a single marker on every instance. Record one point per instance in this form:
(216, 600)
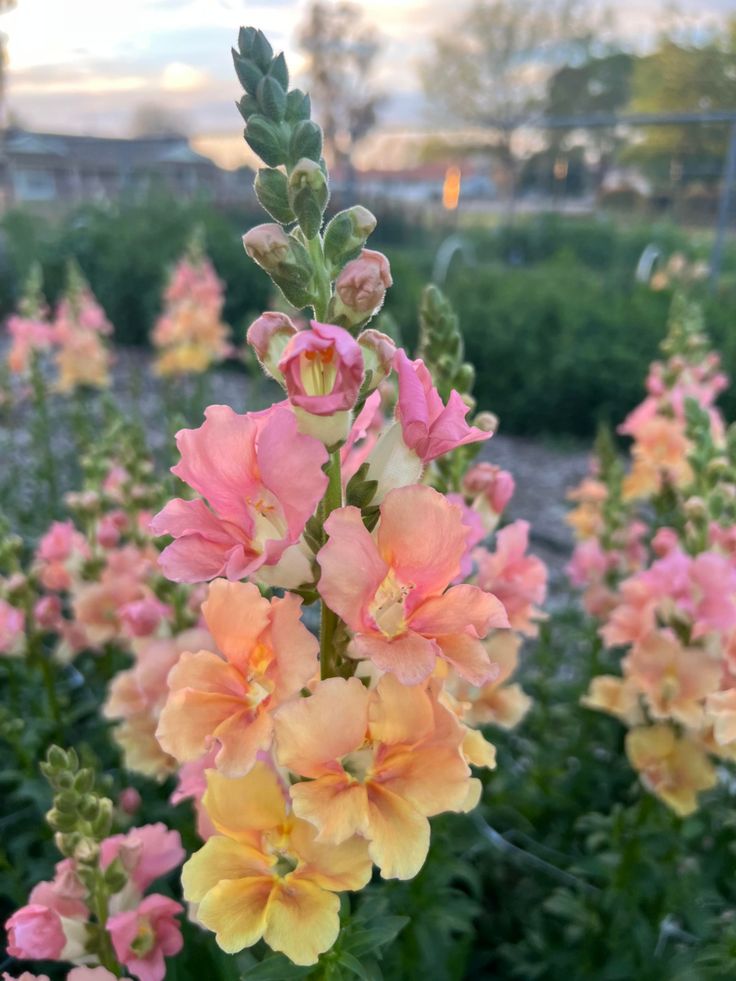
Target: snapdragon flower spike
(268, 655)
(263, 480)
(264, 875)
(430, 428)
(390, 758)
(392, 593)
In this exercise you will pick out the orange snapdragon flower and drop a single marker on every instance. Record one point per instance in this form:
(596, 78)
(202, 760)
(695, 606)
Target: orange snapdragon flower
(264, 875)
(496, 702)
(672, 767)
(660, 454)
(673, 679)
(389, 759)
(268, 655)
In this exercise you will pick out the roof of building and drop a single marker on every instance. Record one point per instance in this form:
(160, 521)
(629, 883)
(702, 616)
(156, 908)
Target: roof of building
(104, 151)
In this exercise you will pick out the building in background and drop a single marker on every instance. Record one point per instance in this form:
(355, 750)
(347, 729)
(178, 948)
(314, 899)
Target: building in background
(47, 170)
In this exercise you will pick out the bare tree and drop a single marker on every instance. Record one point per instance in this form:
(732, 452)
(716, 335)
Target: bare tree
(490, 70)
(152, 119)
(341, 49)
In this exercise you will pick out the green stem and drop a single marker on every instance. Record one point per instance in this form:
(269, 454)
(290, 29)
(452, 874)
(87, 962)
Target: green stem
(105, 952)
(324, 288)
(329, 658)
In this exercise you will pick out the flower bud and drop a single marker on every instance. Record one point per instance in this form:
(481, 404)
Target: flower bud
(346, 233)
(361, 287)
(129, 800)
(308, 195)
(268, 245)
(378, 355)
(268, 335)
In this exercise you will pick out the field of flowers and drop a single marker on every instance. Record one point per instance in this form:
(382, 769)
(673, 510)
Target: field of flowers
(280, 695)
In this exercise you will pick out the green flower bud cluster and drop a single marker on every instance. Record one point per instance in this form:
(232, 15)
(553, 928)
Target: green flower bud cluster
(441, 346)
(33, 303)
(711, 497)
(293, 187)
(79, 816)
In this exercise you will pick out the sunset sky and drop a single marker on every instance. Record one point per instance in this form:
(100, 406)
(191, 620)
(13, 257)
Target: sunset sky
(84, 66)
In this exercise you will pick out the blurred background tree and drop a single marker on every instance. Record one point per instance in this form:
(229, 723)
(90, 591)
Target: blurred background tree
(490, 71)
(676, 77)
(152, 119)
(341, 49)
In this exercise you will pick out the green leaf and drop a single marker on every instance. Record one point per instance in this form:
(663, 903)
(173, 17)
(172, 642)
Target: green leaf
(271, 189)
(247, 105)
(306, 141)
(264, 138)
(384, 931)
(280, 71)
(249, 74)
(261, 52)
(355, 967)
(298, 106)
(272, 98)
(276, 968)
(308, 211)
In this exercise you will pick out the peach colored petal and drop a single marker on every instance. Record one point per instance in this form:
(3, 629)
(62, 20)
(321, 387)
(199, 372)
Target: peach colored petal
(410, 657)
(399, 713)
(189, 719)
(335, 804)
(242, 737)
(236, 614)
(295, 647)
(459, 608)
(235, 910)
(332, 722)
(335, 867)
(469, 658)
(422, 537)
(352, 569)
(206, 672)
(398, 834)
(220, 858)
(302, 921)
(241, 806)
(432, 778)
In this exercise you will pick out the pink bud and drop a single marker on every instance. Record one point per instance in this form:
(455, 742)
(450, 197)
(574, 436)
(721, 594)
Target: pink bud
(47, 612)
(35, 933)
(108, 533)
(323, 369)
(378, 355)
(129, 800)
(268, 245)
(362, 284)
(664, 541)
(268, 336)
(493, 483)
(141, 617)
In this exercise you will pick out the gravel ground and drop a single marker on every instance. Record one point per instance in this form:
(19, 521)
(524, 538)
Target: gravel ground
(542, 473)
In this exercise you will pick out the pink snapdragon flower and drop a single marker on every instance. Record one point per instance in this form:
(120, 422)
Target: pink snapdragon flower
(519, 580)
(362, 284)
(35, 932)
(65, 893)
(322, 369)
(262, 479)
(143, 937)
(490, 489)
(12, 625)
(146, 853)
(430, 428)
(392, 593)
(27, 335)
(192, 785)
(476, 533)
(268, 335)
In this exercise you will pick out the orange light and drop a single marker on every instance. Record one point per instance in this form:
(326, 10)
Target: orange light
(451, 188)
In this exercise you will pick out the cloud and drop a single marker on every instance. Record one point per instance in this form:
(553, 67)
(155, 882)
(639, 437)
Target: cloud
(179, 77)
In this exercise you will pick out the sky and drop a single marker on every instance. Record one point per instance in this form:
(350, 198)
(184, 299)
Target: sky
(85, 66)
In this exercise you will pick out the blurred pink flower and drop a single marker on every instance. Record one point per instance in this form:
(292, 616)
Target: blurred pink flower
(143, 937)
